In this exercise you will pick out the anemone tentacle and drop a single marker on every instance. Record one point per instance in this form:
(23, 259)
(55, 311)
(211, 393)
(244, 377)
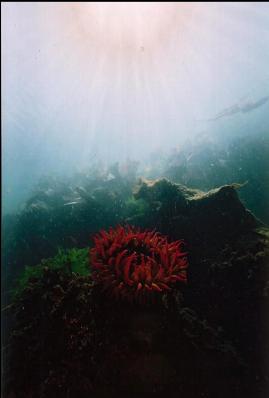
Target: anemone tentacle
(132, 264)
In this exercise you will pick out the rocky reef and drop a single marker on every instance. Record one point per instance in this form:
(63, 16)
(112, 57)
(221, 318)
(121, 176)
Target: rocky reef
(207, 338)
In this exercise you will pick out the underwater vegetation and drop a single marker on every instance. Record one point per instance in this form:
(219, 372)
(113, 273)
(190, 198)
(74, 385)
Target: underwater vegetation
(134, 264)
(64, 213)
(67, 261)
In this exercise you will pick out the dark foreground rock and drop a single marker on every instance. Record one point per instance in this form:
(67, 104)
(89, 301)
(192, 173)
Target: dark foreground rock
(71, 341)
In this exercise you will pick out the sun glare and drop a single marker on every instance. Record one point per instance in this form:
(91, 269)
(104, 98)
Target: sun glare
(125, 24)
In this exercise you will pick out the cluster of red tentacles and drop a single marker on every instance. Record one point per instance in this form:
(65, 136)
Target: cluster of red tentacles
(133, 264)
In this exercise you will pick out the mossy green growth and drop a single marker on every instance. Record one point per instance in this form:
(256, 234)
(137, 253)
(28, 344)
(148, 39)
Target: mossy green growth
(135, 207)
(67, 261)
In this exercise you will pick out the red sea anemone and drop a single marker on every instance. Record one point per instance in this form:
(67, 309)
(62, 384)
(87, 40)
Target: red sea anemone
(131, 264)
